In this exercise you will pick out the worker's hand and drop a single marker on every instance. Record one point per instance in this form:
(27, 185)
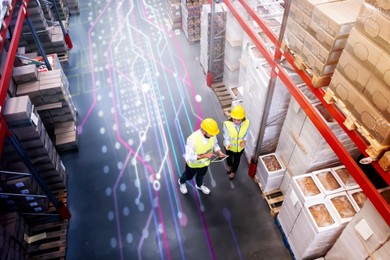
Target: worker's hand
(228, 147)
(243, 143)
(207, 155)
(221, 154)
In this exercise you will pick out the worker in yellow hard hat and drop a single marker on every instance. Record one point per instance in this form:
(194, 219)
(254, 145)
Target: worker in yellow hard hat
(199, 151)
(235, 132)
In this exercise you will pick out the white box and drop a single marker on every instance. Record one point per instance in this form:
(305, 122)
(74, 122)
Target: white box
(306, 188)
(345, 178)
(270, 166)
(343, 206)
(357, 197)
(327, 182)
(289, 211)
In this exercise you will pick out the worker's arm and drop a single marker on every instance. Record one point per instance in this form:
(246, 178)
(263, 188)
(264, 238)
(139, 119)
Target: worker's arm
(226, 137)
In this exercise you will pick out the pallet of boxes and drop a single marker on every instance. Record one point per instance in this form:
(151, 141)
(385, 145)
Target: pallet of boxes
(190, 19)
(360, 84)
(49, 92)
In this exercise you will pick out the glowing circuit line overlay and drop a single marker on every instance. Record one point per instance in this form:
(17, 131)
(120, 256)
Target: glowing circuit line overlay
(140, 46)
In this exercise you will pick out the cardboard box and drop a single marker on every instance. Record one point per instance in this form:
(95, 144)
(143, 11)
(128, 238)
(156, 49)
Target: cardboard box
(378, 93)
(327, 41)
(336, 18)
(302, 19)
(323, 55)
(293, 42)
(354, 71)
(307, 6)
(382, 68)
(375, 25)
(319, 67)
(384, 161)
(361, 109)
(296, 30)
(364, 49)
(17, 109)
(25, 73)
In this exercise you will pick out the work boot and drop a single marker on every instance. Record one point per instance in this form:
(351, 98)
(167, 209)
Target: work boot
(183, 187)
(203, 188)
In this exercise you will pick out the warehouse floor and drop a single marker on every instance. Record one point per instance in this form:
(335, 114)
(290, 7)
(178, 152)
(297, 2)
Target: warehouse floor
(140, 91)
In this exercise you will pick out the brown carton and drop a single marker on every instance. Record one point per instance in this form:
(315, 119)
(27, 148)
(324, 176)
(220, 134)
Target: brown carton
(363, 48)
(361, 109)
(374, 24)
(354, 71)
(336, 18)
(384, 162)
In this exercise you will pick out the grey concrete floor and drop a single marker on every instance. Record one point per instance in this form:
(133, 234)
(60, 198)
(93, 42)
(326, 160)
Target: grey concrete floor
(140, 91)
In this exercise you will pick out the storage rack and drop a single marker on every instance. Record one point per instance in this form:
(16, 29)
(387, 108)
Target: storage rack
(369, 189)
(6, 74)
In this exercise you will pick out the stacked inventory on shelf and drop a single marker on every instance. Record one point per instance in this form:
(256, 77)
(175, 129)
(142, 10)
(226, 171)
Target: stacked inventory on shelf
(73, 6)
(50, 94)
(317, 32)
(316, 208)
(217, 60)
(233, 49)
(174, 14)
(360, 84)
(254, 77)
(23, 193)
(301, 147)
(270, 172)
(367, 236)
(45, 23)
(190, 19)
(25, 123)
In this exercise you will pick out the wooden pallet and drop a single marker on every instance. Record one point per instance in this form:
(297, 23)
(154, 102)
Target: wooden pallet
(317, 81)
(375, 150)
(274, 200)
(50, 242)
(224, 97)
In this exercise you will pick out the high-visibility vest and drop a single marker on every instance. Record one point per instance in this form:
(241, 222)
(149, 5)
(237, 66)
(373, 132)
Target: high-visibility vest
(200, 148)
(236, 136)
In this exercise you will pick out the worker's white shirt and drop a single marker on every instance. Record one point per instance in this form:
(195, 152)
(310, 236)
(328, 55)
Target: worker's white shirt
(191, 156)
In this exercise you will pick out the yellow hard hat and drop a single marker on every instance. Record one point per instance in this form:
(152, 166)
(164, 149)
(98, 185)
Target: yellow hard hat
(238, 112)
(210, 126)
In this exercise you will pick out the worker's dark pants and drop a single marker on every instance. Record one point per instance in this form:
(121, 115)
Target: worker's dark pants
(189, 173)
(233, 161)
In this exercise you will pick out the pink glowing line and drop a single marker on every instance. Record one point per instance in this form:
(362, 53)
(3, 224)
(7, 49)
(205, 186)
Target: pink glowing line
(197, 125)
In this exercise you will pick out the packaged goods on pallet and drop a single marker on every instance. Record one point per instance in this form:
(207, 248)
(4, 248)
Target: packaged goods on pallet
(364, 236)
(270, 171)
(27, 126)
(317, 35)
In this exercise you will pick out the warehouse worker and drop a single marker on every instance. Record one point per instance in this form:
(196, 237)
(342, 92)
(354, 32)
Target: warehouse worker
(235, 132)
(199, 151)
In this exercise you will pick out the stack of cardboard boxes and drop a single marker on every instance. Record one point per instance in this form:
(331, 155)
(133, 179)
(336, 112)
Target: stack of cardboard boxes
(360, 84)
(49, 92)
(317, 31)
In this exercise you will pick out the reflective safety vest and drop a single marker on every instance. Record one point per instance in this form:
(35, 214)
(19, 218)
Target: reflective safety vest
(236, 136)
(201, 148)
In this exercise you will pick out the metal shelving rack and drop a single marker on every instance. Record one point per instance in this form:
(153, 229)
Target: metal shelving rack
(6, 74)
(369, 189)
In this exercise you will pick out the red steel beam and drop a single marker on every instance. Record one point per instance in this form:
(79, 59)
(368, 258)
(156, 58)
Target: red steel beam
(360, 177)
(355, 136)
(9, 62)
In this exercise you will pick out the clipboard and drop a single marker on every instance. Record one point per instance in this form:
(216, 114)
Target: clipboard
(219, 159)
